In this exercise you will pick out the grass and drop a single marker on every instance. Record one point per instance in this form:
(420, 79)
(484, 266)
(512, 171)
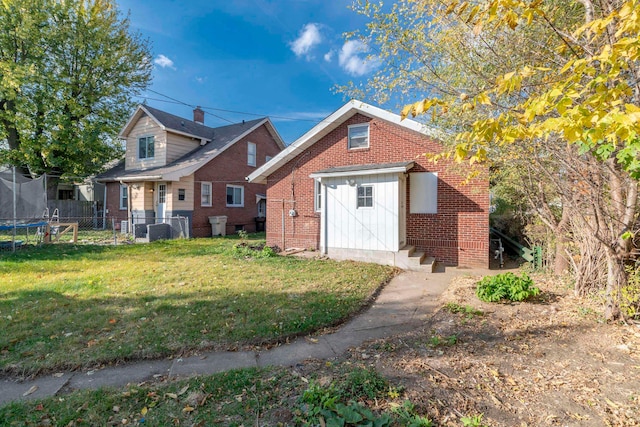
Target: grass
(69, 306)
(232, 398)
(269, 397)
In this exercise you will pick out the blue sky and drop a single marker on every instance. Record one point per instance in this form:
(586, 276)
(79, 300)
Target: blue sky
(279, 58)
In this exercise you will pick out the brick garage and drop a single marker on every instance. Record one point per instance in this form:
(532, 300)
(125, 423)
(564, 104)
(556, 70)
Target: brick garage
(458, 234)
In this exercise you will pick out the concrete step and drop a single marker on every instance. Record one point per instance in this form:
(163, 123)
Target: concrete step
(410, 259)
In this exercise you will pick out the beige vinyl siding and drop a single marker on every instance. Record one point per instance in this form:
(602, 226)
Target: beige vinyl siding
(173, 203)
(178, 146)
(146, 127)
(142, 196)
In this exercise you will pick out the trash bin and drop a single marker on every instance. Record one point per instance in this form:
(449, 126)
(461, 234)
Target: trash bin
(260, 220)
(218, 225)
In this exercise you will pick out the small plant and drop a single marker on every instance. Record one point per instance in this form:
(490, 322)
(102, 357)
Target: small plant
(475, 421)
(321, 406)
(406, 416)
(243, 236)
(507, 287)
(469, 311)
(437, 340)
(364, 383)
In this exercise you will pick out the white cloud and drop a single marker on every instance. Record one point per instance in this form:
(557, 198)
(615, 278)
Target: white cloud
(309, 37)
(164, 62)
(353, 58)
(329, 55)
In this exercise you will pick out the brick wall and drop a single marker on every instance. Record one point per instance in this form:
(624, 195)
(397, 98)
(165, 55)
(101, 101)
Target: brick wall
(231, 167)
(457, 235)
(113, 203)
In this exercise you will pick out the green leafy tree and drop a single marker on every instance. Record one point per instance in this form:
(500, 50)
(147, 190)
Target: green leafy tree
(68, 73)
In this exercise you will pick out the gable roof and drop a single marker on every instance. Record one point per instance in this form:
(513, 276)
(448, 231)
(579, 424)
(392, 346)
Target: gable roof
(168, 122)
(217, 140)
(329, 124)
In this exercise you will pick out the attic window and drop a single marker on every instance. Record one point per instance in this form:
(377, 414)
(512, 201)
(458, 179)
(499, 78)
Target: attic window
(359, 136)
(251, 154)
(146, 147)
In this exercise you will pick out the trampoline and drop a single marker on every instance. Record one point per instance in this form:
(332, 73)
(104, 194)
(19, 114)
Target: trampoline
(7, 226)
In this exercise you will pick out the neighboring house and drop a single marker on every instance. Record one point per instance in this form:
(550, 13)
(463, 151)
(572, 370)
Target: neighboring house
(178, 167)
(357, 186)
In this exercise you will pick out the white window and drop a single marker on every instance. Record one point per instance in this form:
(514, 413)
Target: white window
(365, 196)
(424, 192)
(205, 194)
(359, 136)
(317, 195)
(162, 193)
(235, 196)
(251, 154)
(146, 147)
(182, 194)
(124, 197)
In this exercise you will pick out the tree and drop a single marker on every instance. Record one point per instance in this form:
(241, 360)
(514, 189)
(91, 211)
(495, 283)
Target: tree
(554, 84)
(69, 70)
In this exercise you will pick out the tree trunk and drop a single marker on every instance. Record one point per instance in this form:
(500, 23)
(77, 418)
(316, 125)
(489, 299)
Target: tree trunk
(561, 263)
(616, 280)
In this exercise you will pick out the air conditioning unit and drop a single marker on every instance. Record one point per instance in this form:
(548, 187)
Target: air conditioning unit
(124, 227)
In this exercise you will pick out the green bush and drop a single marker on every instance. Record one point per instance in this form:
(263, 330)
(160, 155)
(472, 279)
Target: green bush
(506, 286)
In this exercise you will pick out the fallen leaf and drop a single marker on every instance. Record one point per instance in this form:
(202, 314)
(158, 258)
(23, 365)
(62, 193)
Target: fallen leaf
(144, 411)
(39, 407)
(112, 321)
(183, 391)
(188, 409)
(116, 409)
(31, 390)
(171, 395)
(58, 374)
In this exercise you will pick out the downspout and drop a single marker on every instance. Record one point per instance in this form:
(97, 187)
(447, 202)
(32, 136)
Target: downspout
(323, 218)
(104, 207)
(284, 246)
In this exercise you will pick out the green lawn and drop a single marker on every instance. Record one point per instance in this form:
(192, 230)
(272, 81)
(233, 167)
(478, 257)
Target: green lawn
(67, 306)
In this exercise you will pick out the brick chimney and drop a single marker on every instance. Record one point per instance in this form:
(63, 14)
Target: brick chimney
(198, 115)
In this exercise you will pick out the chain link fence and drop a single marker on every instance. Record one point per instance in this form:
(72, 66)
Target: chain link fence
(89, 230)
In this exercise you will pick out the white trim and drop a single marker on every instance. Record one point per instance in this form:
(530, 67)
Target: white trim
(126, 206)
(349, 137)
(146, 137)
(241, 204)
(358, 187)
(202, 186)
(327, 125)
(397, 169)
(317, 194)
(252, 155)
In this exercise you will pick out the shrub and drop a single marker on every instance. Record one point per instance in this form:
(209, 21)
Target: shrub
(630, 294)
(506, 286)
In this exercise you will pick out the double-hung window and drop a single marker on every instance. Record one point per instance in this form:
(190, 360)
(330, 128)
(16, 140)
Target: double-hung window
(365, 196)
(317, 195)
(124, 197)
(205, 194)
(146, 148)
(251, 154)
(358, 136)
(235, 196)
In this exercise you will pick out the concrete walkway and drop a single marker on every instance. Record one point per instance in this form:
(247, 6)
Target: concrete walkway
(405, 303)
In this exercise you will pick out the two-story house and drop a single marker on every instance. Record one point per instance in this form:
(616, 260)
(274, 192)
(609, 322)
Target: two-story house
(358, 186)
(179, 167)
